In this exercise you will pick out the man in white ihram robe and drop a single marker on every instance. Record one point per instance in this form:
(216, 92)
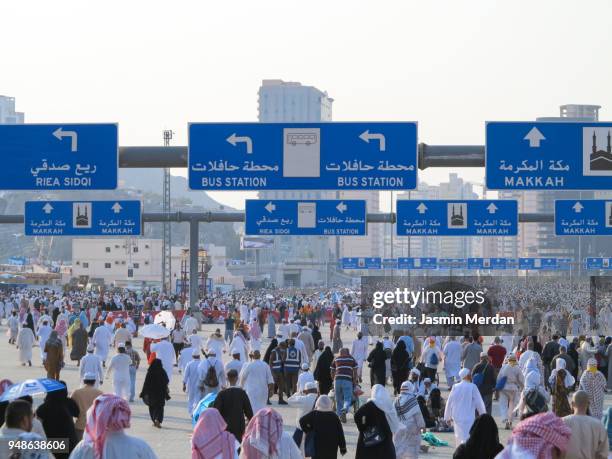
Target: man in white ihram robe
(240, 346)
(91, 363)
(256, 379)
(191, 382)
(452, 361)
(101, 340)
(119, 366)
(359, 351)
(43, 335)
(462, 402)
(25, 341)
(186, 356)
(165, 352)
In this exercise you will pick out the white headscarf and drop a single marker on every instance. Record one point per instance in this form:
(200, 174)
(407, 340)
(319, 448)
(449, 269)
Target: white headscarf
(324, 403)
(383, 402)
(560, 365)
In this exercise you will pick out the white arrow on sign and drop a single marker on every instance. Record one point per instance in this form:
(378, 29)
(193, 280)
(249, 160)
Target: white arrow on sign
(492, 208)
(270, 207)
(366, 137)
(422, 208)
(535, 137)
(116, 207)
(59, 134)
(577, 207)
(234, 140)
(47, 208)
(341, 207)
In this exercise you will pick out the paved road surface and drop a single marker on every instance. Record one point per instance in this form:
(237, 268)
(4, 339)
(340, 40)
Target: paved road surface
(173, 441)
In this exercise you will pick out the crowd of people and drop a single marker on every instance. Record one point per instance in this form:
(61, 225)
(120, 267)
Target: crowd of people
(549, 386)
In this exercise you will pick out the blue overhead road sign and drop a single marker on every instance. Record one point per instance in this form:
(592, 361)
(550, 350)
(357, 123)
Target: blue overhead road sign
(417, 263)
(487, 263)
(361, 263)
(583, 217)
(59, 156)
(303, 217)
(302, 156)
(452, 263)
(548, 155)
(83, 218)
(457, 218)
(389, 263)
(537, 263)
(598, 263)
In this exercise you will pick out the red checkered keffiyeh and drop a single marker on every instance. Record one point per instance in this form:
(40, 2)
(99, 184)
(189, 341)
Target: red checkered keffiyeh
(107, 414)
(536, 437)
(263, 434)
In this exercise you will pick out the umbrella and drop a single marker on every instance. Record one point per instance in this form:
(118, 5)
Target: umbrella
(31, 387)
(154, 331)
(202, 405)
(167, 318)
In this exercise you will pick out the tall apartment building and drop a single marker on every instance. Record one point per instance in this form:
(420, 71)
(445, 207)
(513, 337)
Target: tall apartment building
(8, 115)
(445, 247)
(282, 101)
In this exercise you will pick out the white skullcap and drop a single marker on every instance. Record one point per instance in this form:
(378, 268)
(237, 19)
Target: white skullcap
(415, 371)
(89, 376)
(305, 366)
(464, 373)
(310, 385)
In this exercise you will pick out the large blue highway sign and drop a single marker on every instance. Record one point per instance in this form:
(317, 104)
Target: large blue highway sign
(361, 263)
(417, 263)
(302, 156)
(457, 218)
(548, 155)
(310, 218)
(83, 218)
(583, 217)
(59, 156)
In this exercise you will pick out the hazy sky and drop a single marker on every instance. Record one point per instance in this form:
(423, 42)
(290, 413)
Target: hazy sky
(448, 64)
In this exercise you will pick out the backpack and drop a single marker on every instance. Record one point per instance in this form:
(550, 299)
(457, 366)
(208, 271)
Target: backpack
(478, 379)
(211, 379)
(433, 360)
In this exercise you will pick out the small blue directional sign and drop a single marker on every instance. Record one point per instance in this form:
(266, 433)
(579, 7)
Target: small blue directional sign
(598, 263)
(361, 263)
(302, 156)
(457, 218)
(452, 263)
(83, 218)
(417, 263)
(59, 156)
(583, 217)
(538, 263)
(389, 263)
(309, 218)
(548, 155)
(487, 263)
(564, 264)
